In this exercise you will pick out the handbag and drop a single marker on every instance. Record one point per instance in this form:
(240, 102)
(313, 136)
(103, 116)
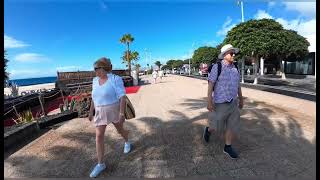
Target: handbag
(129, 112)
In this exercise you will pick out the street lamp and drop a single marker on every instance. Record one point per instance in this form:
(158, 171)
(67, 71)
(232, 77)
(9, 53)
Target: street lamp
(145, 57)
(242, 19)
(190, 59)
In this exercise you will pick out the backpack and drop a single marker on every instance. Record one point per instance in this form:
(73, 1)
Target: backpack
(220, 67)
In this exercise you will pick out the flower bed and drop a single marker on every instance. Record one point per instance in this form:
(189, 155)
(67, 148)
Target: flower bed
(18, 133)
(56, 118)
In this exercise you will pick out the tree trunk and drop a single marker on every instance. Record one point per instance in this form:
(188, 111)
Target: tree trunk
(261, 66)
(283, 75)
(256, 58)
(242, 70)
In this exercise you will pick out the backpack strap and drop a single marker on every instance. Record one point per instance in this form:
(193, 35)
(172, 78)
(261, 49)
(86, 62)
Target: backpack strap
(219, 69)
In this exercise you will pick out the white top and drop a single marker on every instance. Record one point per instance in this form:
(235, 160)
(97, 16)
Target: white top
(154, 74)
(160, 73)
(108, 93)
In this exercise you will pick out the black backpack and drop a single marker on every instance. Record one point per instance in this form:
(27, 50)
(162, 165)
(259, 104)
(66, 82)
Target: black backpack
(220, 67)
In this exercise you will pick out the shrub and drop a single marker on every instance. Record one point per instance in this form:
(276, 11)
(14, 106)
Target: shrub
(24, 117)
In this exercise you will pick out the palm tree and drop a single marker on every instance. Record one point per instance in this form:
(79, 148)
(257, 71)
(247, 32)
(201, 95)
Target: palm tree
(158, 63)
(6, 74)
(127, 39)
(129, 57)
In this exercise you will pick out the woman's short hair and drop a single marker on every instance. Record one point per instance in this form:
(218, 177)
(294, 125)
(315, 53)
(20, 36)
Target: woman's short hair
(104, 63)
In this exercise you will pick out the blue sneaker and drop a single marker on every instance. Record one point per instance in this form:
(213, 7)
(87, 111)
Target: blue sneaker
(127, 147)
(97, 170)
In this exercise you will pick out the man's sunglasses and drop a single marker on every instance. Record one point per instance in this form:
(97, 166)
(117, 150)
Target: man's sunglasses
(231, 53)
(96, 68)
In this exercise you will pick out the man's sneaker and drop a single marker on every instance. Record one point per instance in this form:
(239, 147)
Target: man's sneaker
(229, 150)
(206, 134)
(97, 170)
(127, 147)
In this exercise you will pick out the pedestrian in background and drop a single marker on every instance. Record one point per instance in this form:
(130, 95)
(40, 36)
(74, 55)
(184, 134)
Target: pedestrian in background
(155, 75)
(160, 75)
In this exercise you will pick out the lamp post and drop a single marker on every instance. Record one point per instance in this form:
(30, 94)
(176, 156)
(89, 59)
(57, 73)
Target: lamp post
(190, 59)
(242, 62)
(145, 57)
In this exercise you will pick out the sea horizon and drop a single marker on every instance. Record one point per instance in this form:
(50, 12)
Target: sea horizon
(33, 81)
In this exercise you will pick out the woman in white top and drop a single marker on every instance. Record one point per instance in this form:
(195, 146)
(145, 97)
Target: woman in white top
(160, 74)
(154, 75)
(107, 106)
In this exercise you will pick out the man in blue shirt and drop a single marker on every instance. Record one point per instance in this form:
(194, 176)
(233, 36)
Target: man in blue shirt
(223, 92)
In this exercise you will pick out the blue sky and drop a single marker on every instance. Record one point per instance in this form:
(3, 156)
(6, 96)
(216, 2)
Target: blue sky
(43, 37)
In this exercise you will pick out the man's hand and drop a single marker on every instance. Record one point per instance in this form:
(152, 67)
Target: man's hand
(210, 106)
(240, 102)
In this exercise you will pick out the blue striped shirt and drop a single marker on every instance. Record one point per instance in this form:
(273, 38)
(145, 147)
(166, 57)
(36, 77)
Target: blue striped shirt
(226, 88)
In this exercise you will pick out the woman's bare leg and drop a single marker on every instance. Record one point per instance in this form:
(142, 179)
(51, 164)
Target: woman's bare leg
(124, 133)
(100, 142)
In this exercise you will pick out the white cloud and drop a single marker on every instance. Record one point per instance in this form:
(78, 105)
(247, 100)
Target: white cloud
(31, 57)
(226, 27)
(68, 68)
(261, 14)
(305, 28)
(307, 9)
(10, 42)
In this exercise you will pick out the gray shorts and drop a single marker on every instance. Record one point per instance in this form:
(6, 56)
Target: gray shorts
(225, 116)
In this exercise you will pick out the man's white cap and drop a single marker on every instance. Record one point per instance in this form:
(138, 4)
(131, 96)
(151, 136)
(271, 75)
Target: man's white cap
(227, 48)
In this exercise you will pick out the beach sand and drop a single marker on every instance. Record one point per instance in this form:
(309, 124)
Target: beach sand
(31, 87)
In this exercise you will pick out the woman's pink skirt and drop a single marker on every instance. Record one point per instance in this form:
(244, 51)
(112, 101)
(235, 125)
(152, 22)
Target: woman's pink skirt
(107, 114)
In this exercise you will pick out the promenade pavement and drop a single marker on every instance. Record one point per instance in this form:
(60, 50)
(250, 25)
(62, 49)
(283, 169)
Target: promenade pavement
(277, 139)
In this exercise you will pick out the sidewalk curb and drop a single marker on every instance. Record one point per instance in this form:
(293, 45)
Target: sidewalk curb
(293, 93)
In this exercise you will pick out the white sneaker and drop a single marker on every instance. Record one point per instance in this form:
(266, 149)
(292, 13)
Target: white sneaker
(127, 147)
(97, 170)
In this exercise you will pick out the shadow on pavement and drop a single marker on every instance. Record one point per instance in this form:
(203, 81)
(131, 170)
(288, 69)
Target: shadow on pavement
(272, 144)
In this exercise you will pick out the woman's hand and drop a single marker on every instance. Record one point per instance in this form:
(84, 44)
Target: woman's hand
(90, 116)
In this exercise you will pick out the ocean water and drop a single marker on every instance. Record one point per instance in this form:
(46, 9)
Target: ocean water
(33, 81)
